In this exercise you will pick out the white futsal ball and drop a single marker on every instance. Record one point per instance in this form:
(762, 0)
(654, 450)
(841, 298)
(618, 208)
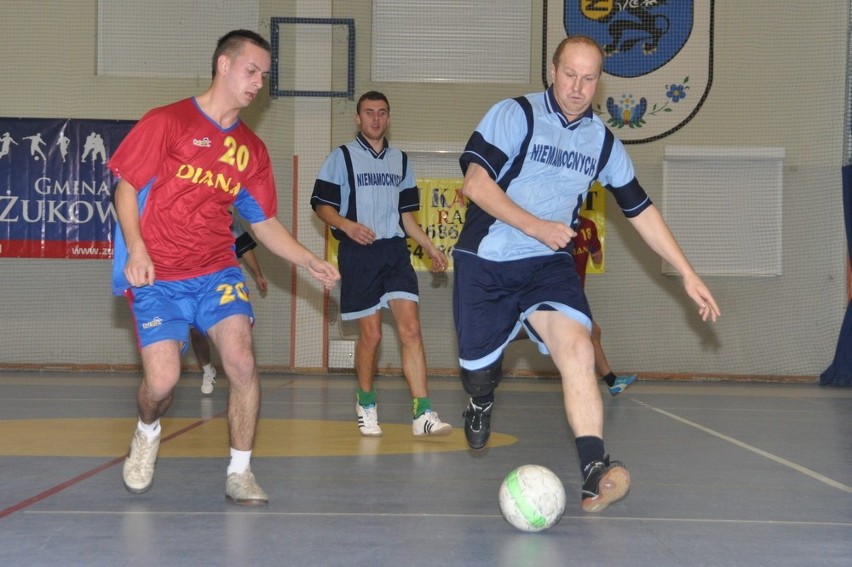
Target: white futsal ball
(532, 498)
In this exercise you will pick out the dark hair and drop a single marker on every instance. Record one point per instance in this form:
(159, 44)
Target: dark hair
(371, 95)
(231, 43)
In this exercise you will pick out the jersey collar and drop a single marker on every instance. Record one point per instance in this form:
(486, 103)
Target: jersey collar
(367, 146)
(553, 108)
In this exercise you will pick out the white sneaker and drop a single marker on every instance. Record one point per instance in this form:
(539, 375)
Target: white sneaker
(368, 420)
(242, 488)
(207, 381)
(138, 469)
(430, 424)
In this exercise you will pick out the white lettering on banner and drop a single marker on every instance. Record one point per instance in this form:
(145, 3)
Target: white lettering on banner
(13, 208)
(48, 186)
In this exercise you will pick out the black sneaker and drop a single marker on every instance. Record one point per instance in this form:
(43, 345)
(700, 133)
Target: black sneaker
(604, 482)
(477, 425)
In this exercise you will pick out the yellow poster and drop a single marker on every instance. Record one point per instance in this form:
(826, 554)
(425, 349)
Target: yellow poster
(594, 209)
(442, 214)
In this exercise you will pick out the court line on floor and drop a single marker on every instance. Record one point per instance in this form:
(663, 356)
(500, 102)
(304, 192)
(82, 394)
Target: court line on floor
(90, 473)
(81, 477)
(566, 518)
(780, 460)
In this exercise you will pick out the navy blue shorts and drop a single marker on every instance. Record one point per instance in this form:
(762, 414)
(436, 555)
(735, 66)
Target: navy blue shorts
(492, 300)
(165, 310)
(372, 275)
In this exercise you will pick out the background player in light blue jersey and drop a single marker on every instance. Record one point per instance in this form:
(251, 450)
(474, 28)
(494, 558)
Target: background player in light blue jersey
(366, 192)
(528, 167)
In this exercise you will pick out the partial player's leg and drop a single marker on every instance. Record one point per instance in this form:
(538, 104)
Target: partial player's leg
(360, 299)
(480, 385)
(366, 351)
(224, 312)
(424, 420)
(571, 349)
(201, 348)
(485, 313)
(570, 346)
(161, 332)
(616, 384)
(232, 337)
(161, 365)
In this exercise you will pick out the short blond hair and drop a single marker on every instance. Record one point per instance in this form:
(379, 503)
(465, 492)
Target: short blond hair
(576, 40)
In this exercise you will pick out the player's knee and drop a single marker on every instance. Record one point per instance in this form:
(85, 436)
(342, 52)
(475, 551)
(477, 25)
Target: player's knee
(483, 381)
(370, 331)
(370, 339)
(409, 333)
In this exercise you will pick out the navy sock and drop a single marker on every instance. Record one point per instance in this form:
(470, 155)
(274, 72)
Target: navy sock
(589, 449)
(610, 379)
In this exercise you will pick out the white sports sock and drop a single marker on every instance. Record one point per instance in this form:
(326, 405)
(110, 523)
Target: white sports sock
(209, 369)
(151, 430)
(239, 461)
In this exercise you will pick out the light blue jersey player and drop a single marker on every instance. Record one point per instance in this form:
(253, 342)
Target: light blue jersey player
(366, 193)
(528, 167)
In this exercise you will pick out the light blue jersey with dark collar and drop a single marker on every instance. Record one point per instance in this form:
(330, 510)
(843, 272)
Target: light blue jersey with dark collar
(370, 188)
(545, 165)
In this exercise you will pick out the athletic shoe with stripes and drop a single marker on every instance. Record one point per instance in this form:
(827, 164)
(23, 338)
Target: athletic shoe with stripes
(621, 383)
(368, 420)
(430, 424)
(604, 482)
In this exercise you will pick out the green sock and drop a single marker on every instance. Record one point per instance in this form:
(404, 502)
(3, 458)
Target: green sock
(420, 406)
(366, 398)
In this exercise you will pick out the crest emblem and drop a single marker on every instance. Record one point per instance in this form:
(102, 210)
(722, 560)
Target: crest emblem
(658, 67)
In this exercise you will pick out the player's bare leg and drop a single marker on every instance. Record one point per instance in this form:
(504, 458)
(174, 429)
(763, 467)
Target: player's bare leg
(367, 348)
(161, 371)
(572, 352)
(366, 351)
(617, 384)
(601, 364)
(413, 354)
(426, 421)
(232, 337)
(571, 348)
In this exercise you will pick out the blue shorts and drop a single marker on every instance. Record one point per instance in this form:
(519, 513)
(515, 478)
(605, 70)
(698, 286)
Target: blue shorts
(372, 275)
(165, 310)
(492, 300)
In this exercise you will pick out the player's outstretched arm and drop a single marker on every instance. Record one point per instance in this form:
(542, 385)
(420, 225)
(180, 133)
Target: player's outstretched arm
(280, 242)
(139, 269)
(412, 229)
(484, 191)
(655, 232)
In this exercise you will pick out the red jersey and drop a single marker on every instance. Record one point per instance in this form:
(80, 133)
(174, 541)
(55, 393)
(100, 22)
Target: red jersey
(585, 243)
(188, 172)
